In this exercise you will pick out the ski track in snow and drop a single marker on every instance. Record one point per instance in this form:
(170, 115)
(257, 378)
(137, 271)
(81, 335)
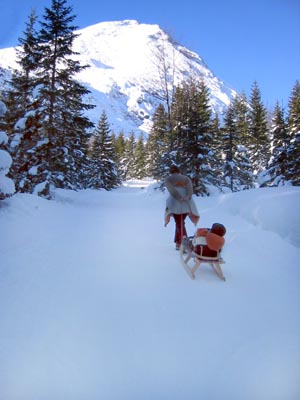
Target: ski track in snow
(95, 304)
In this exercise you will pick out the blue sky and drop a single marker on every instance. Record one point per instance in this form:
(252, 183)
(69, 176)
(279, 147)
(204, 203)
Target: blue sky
(240, 41)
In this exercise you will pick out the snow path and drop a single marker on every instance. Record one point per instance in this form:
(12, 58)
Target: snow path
(94, 303)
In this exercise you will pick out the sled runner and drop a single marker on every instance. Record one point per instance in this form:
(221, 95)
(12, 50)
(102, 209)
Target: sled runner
(192, 256)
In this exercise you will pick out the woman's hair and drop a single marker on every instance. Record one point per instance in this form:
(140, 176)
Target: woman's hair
(174, 169)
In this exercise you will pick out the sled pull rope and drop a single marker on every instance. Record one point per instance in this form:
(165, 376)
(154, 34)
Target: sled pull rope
(181, 222)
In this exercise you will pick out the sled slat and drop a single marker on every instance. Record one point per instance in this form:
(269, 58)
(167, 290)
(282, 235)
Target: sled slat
(191, 261)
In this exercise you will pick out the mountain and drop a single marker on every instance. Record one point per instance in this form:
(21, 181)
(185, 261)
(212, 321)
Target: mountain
(126, 60)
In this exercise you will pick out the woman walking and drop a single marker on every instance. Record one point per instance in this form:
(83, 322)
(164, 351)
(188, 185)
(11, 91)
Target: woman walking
(180, 203)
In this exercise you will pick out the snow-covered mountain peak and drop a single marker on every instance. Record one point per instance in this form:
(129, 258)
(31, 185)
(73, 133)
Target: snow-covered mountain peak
(122, 50)
(125, 61)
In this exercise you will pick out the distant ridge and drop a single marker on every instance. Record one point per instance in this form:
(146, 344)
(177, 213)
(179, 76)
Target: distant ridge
(124, 71)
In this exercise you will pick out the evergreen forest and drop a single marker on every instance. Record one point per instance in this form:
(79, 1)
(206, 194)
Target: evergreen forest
(46, 140)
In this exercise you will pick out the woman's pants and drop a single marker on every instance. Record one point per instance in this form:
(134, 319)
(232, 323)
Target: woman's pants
(180, 230)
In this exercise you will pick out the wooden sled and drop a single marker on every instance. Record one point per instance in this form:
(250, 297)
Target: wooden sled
(192, 261)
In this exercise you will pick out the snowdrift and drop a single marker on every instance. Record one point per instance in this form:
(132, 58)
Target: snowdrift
(95, 304)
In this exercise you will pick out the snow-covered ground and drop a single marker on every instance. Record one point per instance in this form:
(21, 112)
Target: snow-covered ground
(95, 304)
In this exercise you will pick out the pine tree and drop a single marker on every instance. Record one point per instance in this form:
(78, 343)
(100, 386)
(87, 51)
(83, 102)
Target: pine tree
(158, 145)
(60, 97)
(293, 151)
(95, 180)
(244, 170)
(19, 97)
(120, 147)
(216, 148)
(259, 141)
(237, 171)
(103, 156)
(129, 158)
(140, 158)
(193, 134)
(229, 132)
(7, 186)
(27, 142)
(205, 170)
(179, 116)
(278, 165)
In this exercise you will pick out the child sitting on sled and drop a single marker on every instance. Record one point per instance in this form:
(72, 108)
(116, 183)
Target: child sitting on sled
(209, 242)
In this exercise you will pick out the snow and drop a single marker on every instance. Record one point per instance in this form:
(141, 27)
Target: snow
(7, 186)
(95, 304)
(3, 137)
(33, 170)
(5, 161)
(3, 108)
(124, 58)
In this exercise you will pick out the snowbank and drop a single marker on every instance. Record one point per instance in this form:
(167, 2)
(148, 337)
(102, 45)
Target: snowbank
(94, 303)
